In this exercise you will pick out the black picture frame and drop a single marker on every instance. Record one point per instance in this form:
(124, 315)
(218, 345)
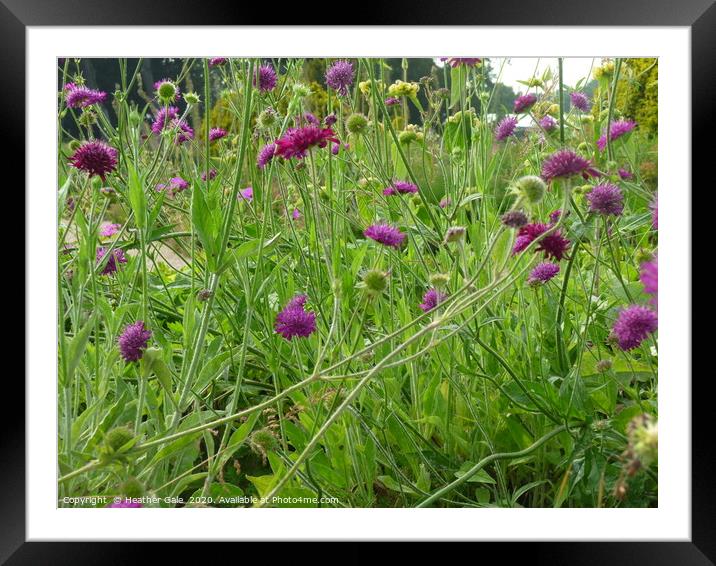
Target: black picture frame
(699, 15)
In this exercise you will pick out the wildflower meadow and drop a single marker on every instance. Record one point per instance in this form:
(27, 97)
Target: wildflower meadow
(357, 283)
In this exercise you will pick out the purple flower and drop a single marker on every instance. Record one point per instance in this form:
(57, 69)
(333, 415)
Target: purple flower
(542, 273)
(184, 131)
(432, 299)
(96, 158)
(216, 61)
(340, 76)
(164, 117)
(212, 174)
(126, 503)
(445, 202)
(633, 325)
(553, 245)
(82, 97)
(294, 321)
(625, 174)
(457, 61)
(580, 101)
(296, 214)
(385, 234)
(247, 194)
(108, 229)
(400, 187)
(524, 102)
(265, 155)
(564, 163)
(655, 212)
(117, 256)
(617, 130)
(554, 216)
(217, 134)
(297, 141)
(330, 120)
(133, 341)
(266, 78)
(548, 123)
(514, 219)
(649, 276)
(392, 101)
(505, 128)
(606, 199)
(175, 185)
(307, 117)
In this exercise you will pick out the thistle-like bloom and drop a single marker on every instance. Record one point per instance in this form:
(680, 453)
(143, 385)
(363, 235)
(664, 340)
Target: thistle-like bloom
(265, 155)
(457, 61)
(633, 326)
(617, 130)
(542, 273)
(625, 174)
(524, 102)
(385, 234)
(400, 187)
(432, 299)
(330, 120)
(294, 321)
(655, 213)
(125, 503)
(247, 194)
(297, 141)
(117, 256)
(217, 134)
(340, 76)
(133, 341)
(514, 219)
(649, 276)
(96, 158)
(606, 199)
(170, 91)
(82, 97)
(392, 101)
(175, 185)
(108, 229)
(505, 128)
(554, 245)
(164, 118)
(580, 101)
(548, 123)
(564, 163)
(266, 78)
(216, 61)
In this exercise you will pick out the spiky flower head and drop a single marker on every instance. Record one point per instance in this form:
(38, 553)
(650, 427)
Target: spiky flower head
(175, 185)
(505, 128)
(431, 299)
(357, 124)
(294, 321)
(192, 98)
(633, 326)
(265, 78)
(375, 281)
(132, 488)
(547, 123)
(246, 194)
(166, 90)
(553, 245)
(385, 234)
(514, 219)
(542, 273)
(606, 199)
(579, 100)
(265, 155)
(524, 102)
(340, 76)
(532, 188)
(82, 97)
(564, 163)
(267, 118)
(649, 276)
(217, 61)
(458, 61)
(400, 187)
(616, 130)
(217, 134)
(116, 257)
(96, 158)
(117, 437)
(107, 230)
(392, 101)
(133, 341)
(297, 141)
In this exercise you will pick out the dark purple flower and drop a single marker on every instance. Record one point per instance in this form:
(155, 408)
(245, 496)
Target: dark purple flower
(432, 299)
(563, 163)
(117, 256)
(330, 120)
(82, 97)
(505, 128)
(617, 130)
(184, 132)
(554, 245)
(217, 134)
(266, 78)
(133, 341)
(606, 199)
(392, 101)
(457, 61)
(633, 325)
(554, 216)
(294, 321)
(542, 273)
(625, 174)
(400, 187)
(514, 219)
(125, 503)
(297, 141)
(212, 174)
(580, 101)
(340, 76)
(96, 158)
(265, 155)
(216, 61)
(385, 234)
(296, 214)
(548, 123)
(524, 102)
(649, 276)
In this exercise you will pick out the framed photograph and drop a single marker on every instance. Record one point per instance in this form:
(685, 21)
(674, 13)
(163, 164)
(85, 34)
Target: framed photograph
(393, 281)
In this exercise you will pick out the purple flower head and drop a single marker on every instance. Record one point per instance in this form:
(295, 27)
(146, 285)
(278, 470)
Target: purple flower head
(82, 97)
(633, 325)
(307, 117)
(554, 216)
(617, 130)
(392, 101)
(400, 187)
(625, 174)
(108, 229)
(514, 219)
(216, 61)
(212, 174)
(606, 199)
(217, 134)
(649, 276)
(266, 78)
(432, 299)
(297, 141)
(96, 158)
(340, 76)
(655, 213)
(164, 118)
(330, 120)
(158, 85)
(125, 503)
(505, 128)
(524, 102)
(445, 202)
(265, 155)
(542, 273)
(457, 61)
(553, 245)
(580, 101)
(175, 185)
(296, 214)
(294, 321)
(247, 194)
(184, 131)
(563, 163)
(548, 123)
(117, 256)
(385, 234)
(133, 341)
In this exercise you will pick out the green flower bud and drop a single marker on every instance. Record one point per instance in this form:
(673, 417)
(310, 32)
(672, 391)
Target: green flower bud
(357, 124)
(375, 281)
(532, 188)
(167, 92)
(301, 90)
(439, 280)
(192, 98)
(267, 119)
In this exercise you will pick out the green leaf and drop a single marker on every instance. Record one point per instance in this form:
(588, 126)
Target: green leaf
(248, 249)
(203, 221)
(77, 348)
(481, 476)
